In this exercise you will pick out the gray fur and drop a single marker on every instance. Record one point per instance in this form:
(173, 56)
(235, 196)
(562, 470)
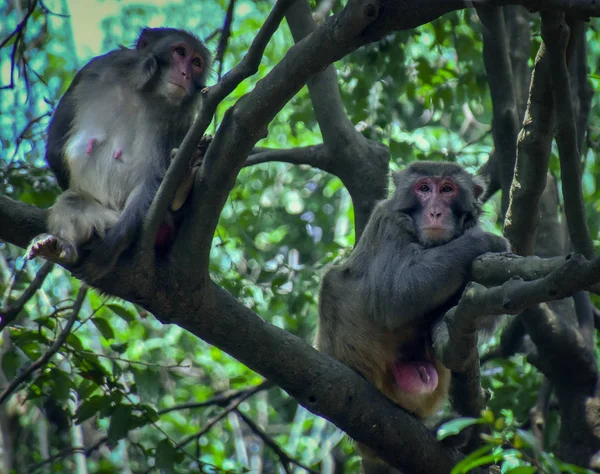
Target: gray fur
(109, 142)
(379, 305)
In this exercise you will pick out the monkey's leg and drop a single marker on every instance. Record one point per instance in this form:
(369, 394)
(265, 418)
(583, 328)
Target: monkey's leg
(121, 234)
(72, 221)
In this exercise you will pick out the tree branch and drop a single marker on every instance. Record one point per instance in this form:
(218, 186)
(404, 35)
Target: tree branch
(270, 442)
(533, 155)
(211, 99)
(315, 156)
(361, 164)
(221, 400)
(500, 78)
(9, 312)
(556, 35)
(495, 269)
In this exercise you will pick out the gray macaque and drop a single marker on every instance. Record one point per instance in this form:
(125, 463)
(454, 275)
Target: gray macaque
(109, 145)
(409, 267)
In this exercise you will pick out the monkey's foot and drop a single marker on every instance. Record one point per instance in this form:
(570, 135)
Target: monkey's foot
(51, 247)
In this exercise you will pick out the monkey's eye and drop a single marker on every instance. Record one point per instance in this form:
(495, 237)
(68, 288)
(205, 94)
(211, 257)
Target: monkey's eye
(424, 188)
(447, 188)
(180, 50)
(197, 62)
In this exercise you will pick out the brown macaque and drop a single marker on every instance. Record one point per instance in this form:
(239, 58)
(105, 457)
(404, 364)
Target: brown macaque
(409, 267)
(109, 145)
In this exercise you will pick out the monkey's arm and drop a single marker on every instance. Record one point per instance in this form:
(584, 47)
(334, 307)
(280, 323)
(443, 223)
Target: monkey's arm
(401, 281)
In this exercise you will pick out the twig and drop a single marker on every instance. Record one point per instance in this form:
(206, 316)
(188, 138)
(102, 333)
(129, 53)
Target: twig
(18, 31)
(215, 419)
(221, 399)
(23, 376)
(65, 452)
(225, 34)
(270, 442)
(131, 362)
(10, 312)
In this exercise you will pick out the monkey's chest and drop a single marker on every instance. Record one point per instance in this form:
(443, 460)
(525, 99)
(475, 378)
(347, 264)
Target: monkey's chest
(109, 165)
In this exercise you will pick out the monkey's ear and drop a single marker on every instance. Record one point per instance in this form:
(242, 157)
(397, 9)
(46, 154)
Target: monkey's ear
(479, 186)
(147, 36)
(398, 177)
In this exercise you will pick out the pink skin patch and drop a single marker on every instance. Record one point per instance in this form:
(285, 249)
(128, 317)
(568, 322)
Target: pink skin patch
(118, 153)
(418, 377)
(90, 146)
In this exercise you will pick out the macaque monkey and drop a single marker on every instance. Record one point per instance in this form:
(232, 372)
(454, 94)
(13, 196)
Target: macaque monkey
(409, 267)
(109, 145)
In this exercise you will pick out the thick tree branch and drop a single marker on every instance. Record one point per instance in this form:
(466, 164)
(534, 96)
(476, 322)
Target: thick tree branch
(500, 78)
(20, 222)
(533, 156)
(361, 164)
(321, 384)
(511, 297)
(495, 269)
(556, 35)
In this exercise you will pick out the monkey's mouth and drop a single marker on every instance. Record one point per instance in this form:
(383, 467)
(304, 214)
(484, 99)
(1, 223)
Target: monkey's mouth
(415, 376)
(436, 233)
(177, 89)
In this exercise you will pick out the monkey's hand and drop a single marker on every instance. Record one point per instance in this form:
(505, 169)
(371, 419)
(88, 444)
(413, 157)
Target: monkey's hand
(497, 243)
(51, 248)
(480, 242)
(185, 187)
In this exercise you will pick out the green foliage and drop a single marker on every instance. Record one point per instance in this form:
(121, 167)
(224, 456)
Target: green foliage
(127, 381)
(512, 449)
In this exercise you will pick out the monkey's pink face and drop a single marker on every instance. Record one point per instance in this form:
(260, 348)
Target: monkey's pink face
(436, 221)
(187, 68)
(415, 377)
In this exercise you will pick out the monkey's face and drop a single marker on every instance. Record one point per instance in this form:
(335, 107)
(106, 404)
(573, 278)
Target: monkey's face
(187, 69)
(435, 220)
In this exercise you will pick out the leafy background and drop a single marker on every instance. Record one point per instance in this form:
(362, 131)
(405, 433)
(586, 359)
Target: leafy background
(121, 378)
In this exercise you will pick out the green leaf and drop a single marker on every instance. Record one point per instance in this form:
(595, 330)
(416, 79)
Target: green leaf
(120, 423)
(90, 407)
(119, 348)
(11, 362)
(122, 312)
(468, 462)
(165, 455)
(522, 470)
(104, 328)
(455, 426)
